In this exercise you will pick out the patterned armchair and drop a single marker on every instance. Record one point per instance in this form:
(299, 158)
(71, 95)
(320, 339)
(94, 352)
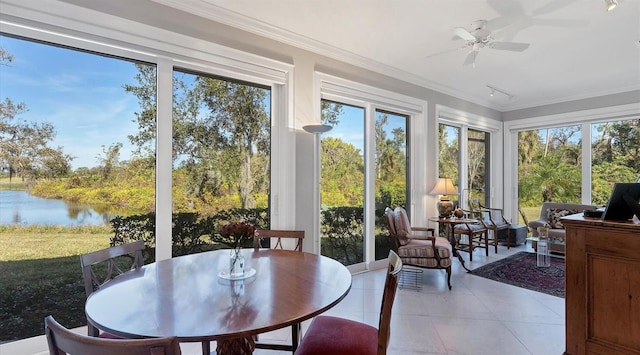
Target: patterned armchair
(424, 251)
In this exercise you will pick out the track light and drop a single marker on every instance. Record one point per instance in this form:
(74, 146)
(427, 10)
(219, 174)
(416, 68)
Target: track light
(610, 4)
(495, 89)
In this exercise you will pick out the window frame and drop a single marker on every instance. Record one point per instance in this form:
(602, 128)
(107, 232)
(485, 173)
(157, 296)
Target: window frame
(349, 92)
(583, 118)
(122, 38)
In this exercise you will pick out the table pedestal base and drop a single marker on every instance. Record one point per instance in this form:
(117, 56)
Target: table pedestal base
(237, 346)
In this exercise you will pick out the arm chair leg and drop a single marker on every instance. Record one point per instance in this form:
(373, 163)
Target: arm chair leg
(449, 276)
(486, 243)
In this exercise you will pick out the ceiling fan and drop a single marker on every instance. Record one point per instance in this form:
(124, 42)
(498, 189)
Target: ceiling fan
(478, 38)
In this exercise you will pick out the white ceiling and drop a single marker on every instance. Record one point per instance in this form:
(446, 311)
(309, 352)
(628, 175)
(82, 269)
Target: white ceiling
(577, 49)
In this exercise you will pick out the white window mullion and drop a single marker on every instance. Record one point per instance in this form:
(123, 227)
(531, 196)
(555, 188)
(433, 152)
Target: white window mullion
(369, 184)
(586, 163)
(164, 145)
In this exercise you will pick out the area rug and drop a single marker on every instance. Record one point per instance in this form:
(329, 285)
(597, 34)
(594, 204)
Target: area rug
(520, 270)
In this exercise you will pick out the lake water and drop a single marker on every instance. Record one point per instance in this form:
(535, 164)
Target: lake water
(18, 207)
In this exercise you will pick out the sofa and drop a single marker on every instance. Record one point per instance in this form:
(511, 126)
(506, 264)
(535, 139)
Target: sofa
(551, 213)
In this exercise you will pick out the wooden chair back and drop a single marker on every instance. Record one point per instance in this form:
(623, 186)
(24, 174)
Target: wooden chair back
(110, 263)
(388, 296)
(278, 235)
(388, 215)
(63, 341)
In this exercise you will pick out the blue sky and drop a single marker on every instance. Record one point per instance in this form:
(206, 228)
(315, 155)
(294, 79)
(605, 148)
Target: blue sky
(81, 94)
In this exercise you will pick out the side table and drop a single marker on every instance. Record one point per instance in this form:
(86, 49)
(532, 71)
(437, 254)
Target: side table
(449, 222)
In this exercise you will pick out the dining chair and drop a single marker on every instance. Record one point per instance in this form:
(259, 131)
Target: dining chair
(339, 336)
(422, 251)
(101, 266)
(475, 231)
(64, 341)
(495, 221)
(278, 236)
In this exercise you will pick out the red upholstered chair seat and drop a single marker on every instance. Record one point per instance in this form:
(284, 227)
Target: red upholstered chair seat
(338, 336)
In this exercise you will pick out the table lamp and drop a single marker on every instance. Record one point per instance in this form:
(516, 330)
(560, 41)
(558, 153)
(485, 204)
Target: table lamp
(444, 187)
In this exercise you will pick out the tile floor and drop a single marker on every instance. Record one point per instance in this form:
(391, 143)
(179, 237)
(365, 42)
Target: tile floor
(478, 316)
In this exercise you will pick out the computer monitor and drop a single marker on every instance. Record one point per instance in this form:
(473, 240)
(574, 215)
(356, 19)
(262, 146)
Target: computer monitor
(623, 203)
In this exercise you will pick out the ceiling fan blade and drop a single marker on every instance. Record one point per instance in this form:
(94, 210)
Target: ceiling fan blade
(471, 58)
(509, 46)
(443, 52)
(551, 7)
(561, 23)
(464, 34)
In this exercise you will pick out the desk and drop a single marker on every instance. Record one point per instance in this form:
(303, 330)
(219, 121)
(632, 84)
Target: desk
(185, 297)
(449, 223)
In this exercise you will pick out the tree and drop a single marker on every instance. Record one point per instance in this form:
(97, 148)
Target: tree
(449, 152)
(342, 173)
(110, 160)
(331, 112)
(477, 153)
(237, 124)
(5, 57)
(145, 91)
(219, 127)
(24, 146)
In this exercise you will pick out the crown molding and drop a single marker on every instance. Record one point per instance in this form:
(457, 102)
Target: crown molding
(213, 12)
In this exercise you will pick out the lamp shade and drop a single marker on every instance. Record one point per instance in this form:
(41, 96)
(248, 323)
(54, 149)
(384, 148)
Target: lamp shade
(444, 187)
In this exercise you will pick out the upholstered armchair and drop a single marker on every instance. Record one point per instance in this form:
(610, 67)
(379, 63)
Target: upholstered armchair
(423, 251)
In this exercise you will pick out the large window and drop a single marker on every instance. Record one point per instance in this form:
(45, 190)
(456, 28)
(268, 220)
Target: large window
(463, 145)
(615, 156)
(549, 168)
(69, 164)
(449, 156)
(477, 163)
(221, 144)
(392, 164)
(65, 135)
(342, 184)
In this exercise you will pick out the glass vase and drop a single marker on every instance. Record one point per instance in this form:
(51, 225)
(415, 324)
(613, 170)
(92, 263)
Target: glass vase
(236, 263)
(544, 259)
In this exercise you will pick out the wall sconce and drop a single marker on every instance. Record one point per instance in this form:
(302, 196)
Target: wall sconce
(444, 187)
(317, 128)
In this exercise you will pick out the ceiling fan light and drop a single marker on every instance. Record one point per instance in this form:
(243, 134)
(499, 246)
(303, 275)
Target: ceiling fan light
(611, 4)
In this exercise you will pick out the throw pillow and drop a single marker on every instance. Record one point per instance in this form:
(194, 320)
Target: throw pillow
(554, 215)
(403, 227)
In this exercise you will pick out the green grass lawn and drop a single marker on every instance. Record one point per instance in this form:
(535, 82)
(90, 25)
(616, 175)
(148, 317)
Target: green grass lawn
(14, 184)
(40, 275)
(532, 213)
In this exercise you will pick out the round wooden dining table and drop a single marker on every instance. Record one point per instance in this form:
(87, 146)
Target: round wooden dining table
(191, 297)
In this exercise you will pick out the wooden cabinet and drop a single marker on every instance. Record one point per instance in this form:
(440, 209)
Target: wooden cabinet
(602, 283)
